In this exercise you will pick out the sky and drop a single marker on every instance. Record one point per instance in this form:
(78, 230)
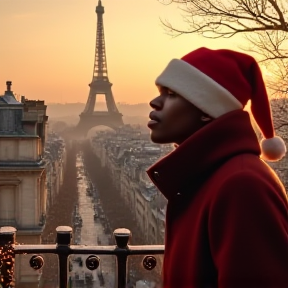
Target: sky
(48, 46)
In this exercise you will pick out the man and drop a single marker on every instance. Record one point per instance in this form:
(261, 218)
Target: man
(226, 218)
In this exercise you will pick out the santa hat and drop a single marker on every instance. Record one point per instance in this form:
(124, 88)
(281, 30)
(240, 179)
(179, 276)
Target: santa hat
(220, 81)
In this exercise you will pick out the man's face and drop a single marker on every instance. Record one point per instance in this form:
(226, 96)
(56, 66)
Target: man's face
(173, 118)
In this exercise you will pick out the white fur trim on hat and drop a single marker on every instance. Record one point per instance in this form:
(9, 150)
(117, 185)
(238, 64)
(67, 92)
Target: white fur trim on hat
(273, 149)
(198, 88)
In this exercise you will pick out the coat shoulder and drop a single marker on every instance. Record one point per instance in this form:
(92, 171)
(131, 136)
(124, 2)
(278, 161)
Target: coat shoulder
(247, 173)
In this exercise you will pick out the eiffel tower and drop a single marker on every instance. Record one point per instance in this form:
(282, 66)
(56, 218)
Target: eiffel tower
(100, 85)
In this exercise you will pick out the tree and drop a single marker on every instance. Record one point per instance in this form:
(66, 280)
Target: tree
(280, 109)
(264, 23)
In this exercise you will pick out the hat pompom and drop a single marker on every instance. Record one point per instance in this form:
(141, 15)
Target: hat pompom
(273, 149)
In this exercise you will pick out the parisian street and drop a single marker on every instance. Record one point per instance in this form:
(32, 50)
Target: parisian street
(91, 229)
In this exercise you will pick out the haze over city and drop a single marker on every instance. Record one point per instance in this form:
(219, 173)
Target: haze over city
(49, 47)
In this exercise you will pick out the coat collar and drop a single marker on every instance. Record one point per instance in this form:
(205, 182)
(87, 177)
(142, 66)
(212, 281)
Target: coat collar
(203, 152)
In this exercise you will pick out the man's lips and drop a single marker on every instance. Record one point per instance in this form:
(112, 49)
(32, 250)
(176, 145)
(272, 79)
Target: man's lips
(152, 123)
(153, 116)
(154, 119)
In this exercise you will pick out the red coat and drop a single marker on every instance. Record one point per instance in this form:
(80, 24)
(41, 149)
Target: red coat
(227, 212)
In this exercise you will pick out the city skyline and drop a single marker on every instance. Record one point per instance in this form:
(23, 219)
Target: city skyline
(50, 46)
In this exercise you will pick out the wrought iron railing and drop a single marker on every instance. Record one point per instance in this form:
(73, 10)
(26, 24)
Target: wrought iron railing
(63, 249)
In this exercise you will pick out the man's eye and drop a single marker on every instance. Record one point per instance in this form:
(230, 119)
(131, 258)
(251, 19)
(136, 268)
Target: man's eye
(171, 93)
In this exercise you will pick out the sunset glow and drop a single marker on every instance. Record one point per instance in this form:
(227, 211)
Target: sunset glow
(47, 48)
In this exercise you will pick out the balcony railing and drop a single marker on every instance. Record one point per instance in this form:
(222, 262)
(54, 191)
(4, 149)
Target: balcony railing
(63, 249)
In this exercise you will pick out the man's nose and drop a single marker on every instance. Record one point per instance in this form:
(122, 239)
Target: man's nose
(156, 103)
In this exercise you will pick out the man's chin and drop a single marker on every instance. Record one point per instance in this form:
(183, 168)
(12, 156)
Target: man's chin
(158, 139)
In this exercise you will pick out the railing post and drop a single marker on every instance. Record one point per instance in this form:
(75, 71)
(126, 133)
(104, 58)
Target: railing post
(63, 241)
(7, 255)
(122, 237)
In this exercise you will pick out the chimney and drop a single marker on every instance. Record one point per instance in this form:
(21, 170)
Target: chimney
(8, 84)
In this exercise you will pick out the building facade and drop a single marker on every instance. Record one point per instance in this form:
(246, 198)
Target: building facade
(127, 153)
(22, 174)
(55, 163)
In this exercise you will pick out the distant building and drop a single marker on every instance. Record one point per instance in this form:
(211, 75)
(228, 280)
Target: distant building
(55, 163)
(22, 175)
(127, 153)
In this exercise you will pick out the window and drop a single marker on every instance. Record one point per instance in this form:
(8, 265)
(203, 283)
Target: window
(7, 205)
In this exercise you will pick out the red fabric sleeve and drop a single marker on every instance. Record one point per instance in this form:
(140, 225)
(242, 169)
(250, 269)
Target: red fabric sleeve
(249, 234)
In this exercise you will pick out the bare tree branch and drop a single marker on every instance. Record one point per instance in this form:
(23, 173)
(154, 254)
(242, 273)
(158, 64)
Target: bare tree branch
(236, 15)
(264, 23)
